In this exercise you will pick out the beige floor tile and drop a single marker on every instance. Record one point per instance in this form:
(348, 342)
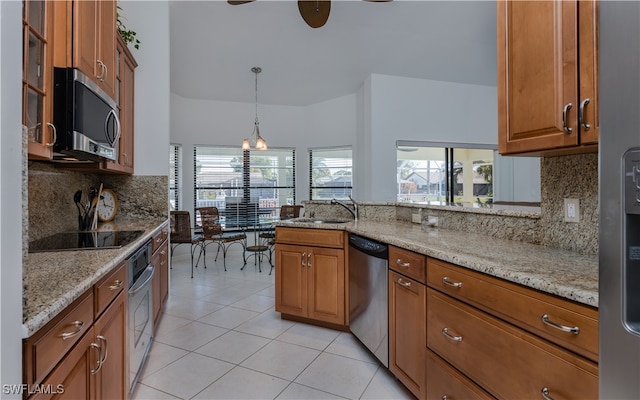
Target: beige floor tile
(185, 307)
(267, 325)
(160, 356)
(188, 289)
(297, 392)
(242, 383)
(255, 303)
(338, 375)
(188, 376)
(269, 292)
(229, 317)
(348, 346)
(233, 347)
(144, 392)
(191, 336)
(385, 386)
(311, 336)
(170, 322)
(281, 359)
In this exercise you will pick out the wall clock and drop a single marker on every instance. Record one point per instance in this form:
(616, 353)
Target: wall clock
(107, 205)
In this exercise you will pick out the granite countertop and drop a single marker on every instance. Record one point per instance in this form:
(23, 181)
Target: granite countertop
(563, 273)
(53, 280)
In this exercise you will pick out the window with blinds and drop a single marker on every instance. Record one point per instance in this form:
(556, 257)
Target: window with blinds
(330, 173)
(175, 176)
(243, 184)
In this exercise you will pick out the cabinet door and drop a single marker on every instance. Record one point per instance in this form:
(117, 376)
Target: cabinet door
(164, 271)
(111, 335)
(537, 75)
(107, 45)
(72, 378)
(94, 41)
(325, 269)
(291, 279)
(407, 332)
(588, 51)
(85, 37)
(155, 288)
(37, 79)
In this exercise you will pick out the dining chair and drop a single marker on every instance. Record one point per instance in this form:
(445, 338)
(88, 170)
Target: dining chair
(269, 237)
(213, 232)
(182, 233)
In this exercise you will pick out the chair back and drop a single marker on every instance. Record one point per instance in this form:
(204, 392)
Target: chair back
(290, 211)
(210, 222)
(180, 225)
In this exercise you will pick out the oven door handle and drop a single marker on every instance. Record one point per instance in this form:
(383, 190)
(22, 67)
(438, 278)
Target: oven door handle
(145, 278)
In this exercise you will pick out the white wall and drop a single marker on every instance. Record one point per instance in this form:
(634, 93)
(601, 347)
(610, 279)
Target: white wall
(11, 194)
(150, 21)
(416, 109)
(218, 123)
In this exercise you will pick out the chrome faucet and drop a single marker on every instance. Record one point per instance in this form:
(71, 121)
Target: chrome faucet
(353, 211)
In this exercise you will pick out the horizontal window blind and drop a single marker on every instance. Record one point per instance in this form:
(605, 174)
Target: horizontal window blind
(243, 184)
(175, 176)
(330, 173)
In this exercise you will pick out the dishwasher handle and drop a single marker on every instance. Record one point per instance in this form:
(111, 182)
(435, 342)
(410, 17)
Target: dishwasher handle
(369, 247)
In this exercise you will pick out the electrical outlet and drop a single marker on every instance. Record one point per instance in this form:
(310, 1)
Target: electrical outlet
(432, 221)
(571, 210)
(416, 218)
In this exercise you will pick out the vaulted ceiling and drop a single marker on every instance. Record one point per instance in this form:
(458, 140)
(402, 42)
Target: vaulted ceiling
(215, 44)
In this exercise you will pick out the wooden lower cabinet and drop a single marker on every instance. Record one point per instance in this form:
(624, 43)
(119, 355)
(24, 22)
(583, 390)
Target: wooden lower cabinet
(310, 282)
(445, 382)
(505, 360)
(95, 368)
(160, 283)
(111, 334)
(407, 332)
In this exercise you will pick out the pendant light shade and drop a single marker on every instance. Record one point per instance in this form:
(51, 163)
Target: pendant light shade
(260, 143)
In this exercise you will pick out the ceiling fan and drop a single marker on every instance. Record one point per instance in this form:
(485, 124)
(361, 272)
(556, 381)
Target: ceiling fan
(314, 12)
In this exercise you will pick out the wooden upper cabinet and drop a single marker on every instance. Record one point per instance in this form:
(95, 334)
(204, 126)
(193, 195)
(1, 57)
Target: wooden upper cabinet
(547, 68)
(94, 41)
(37, 77)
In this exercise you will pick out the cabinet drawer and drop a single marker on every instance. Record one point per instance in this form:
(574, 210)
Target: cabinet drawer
(109, 287)
(160, 237)
(506, 361)
(310, 237)
(445, 382)
(47, 346)
(520, 305)
(408, 263)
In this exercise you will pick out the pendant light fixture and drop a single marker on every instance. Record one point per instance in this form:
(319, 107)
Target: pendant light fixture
(260, 143)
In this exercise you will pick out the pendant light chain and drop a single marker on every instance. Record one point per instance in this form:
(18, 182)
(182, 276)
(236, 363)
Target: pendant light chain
(256, 70)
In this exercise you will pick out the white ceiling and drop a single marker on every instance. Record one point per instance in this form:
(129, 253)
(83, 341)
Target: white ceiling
(214, 45)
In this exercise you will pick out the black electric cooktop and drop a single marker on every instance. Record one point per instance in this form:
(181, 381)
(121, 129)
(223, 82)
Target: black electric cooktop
(84, 241)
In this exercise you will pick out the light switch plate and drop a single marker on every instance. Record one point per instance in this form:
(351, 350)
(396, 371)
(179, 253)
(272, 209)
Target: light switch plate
(571, 210)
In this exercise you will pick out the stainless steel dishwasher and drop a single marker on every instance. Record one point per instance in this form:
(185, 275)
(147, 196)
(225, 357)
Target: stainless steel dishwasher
(368, 303)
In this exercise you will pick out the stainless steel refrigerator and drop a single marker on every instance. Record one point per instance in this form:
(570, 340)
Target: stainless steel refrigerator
(619, 182)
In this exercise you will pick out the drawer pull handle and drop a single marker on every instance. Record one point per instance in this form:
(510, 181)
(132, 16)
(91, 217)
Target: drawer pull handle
(106, 348)
(399, 263)
(309, 260)
(569, 329)
(545, 393)
(117, 284)
(304, 259)
(446, 281)
(78, 325)
(445, 332)
(403, 283)
(444, 397)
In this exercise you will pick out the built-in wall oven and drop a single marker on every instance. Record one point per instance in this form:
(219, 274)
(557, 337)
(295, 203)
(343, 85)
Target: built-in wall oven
(140, 273)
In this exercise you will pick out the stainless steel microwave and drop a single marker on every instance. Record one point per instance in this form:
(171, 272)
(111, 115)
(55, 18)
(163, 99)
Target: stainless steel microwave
(85, 118)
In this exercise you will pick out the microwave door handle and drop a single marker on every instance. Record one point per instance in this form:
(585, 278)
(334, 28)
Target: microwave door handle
(106, 127)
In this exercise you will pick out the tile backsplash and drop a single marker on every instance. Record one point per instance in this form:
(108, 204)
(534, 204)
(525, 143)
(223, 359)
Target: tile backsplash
(51, 207)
